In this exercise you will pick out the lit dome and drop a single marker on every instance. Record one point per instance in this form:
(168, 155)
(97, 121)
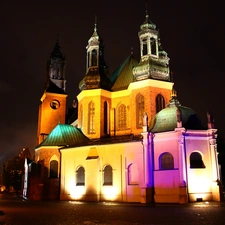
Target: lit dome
(166, 119)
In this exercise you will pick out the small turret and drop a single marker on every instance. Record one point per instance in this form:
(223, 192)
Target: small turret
(210, 120)
(154, 62)
(96, 69)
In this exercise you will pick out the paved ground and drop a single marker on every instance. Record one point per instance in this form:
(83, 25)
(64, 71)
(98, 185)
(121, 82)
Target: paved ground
(16, 211)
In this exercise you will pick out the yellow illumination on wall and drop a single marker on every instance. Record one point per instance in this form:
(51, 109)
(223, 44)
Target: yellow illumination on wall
(199, 184)
(76, 192)
(110, 193)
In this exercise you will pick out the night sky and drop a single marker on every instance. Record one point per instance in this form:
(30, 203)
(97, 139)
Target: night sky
(191, 32)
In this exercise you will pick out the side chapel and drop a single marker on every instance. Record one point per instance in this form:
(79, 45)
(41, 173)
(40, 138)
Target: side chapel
(131, 141)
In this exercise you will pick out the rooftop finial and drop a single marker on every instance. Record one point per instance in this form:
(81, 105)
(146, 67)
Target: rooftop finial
(95, 29)
(146, 8)
(174, 101)
(131, 50)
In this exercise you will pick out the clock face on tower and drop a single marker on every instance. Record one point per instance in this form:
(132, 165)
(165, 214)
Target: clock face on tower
(55, 104)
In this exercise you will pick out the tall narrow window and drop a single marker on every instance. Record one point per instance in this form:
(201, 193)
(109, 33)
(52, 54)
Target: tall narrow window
(80, 176)
(133, 176)
(144, 47)
(153, 46)
(94, 57)
(196, 160)
(107, 175)
(54, 169)
(139, 110)
(105, 118)
(160, 103)
(88, 60)
(81, 116)
(166, 162)
(91, 118)
(122, 123)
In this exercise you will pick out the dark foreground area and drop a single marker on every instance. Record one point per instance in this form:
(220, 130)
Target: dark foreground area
(16, 211)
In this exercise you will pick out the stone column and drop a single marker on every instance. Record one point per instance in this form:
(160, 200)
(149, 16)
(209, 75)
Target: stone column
(149, 48)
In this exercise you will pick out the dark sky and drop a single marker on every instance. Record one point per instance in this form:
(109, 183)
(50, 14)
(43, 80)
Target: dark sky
(192, 33)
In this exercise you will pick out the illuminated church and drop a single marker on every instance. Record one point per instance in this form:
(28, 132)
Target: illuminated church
(131, 139)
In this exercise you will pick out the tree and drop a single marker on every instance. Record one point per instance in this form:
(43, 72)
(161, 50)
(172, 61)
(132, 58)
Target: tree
(12, 173)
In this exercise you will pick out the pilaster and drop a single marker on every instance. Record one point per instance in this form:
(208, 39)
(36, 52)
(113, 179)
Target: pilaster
(147, 190)
(183, 196)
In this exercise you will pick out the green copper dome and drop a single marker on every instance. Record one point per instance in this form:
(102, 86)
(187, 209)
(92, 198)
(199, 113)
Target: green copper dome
(167, 118)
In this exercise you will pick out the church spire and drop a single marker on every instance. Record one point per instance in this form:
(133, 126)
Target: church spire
(95, 33)
(147, 23)
(56, 67)
(95, 28)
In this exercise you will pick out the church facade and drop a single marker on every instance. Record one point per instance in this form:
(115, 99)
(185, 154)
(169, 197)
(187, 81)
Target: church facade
(132, 140)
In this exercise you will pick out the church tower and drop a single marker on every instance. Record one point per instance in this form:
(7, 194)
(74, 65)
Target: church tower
(52, 109)
(152, 69)
(154, 62)
(94, 98)
(96, 69)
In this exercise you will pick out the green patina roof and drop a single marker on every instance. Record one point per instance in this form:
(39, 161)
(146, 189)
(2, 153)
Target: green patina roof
(123, 75)
(65, 135)
(166, 119)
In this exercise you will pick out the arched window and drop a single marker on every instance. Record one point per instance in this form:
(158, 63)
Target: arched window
(91, 118)
(80, 176)
(94, 58)
(107, 175)
(196, 160)
(153, 46)
(160, 103)
(105, 118)
(53, 169)
(140, 109)
(122, 123)
(133, 176)
(166, 161)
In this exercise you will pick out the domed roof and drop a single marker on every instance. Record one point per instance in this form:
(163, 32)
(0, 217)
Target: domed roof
(148, 24)
(167, 118)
